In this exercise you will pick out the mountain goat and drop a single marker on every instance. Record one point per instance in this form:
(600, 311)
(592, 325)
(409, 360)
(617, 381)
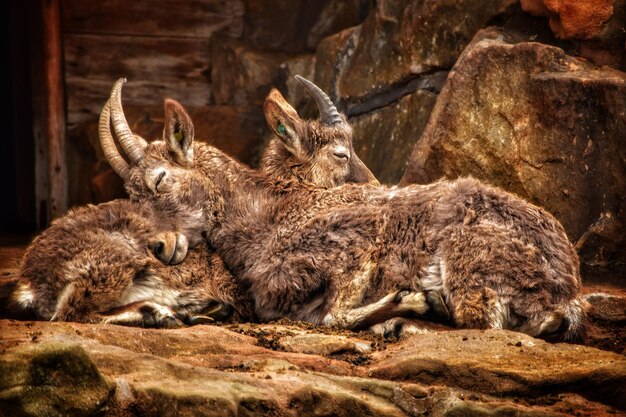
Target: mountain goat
(357, 255)
(120, 262)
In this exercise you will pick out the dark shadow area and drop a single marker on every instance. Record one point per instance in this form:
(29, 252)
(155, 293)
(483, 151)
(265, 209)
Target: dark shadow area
(17, 167)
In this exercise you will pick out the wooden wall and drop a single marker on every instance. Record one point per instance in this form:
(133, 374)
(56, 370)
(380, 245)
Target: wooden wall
(162, 47)
(219, 58)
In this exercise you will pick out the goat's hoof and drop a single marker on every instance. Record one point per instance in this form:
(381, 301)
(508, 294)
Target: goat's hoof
(400, 295)
(171, 322)
(218, 311)
(199, 319)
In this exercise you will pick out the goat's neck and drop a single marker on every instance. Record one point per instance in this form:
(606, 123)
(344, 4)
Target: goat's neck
(245, 192)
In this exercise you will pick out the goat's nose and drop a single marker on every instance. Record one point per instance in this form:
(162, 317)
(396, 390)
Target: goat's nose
(164, 247)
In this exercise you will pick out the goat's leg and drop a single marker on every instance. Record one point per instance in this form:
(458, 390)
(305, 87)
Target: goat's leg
(484, 269)
(399, 327)
(142, 314)
(392, 305)
(209, 312)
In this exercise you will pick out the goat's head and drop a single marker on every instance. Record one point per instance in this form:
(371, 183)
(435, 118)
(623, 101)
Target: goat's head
(162, 172)
(320, 151)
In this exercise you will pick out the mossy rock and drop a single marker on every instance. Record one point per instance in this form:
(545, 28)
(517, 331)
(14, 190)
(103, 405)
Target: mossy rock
(52, 379)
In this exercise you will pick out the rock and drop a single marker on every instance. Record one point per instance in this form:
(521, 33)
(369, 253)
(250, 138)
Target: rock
(240, 75)
(51, 380)
(528, 118)
(210, 370)
(336, 16)
(333, 55)
(385, 72)
(296, 27)
(504, 363)
(572, 19)
(607, 318)
(607, 46)
(399, 41)
(596, 28)
(607, 307)
(279, 25)
(324, 344)
(291, 89)
(384, 138)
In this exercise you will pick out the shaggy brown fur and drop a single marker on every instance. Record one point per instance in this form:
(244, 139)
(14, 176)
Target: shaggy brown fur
(97, 264)
(114, 239)
(356, 255)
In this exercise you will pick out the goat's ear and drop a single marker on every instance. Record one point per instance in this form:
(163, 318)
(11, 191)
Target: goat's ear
(283, 120)
(178, 131)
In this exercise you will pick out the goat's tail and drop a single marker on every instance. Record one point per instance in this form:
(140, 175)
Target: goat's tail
(575, 321)
(16, 299)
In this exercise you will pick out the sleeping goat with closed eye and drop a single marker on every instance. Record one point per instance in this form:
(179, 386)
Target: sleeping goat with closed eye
(357, 255)
(120, 262)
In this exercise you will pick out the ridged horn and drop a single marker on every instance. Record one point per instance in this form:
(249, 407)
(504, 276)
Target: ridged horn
(107, 143)
(328, 112)
(124, 135)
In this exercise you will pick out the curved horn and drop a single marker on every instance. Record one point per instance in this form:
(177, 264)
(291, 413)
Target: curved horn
(328, 112)
(107, 143)
(125, 136)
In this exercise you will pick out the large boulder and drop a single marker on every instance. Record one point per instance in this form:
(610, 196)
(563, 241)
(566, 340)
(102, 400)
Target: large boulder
(241, 75)
(544, 125)
(51, 380)
(596, 28)
(384, 138)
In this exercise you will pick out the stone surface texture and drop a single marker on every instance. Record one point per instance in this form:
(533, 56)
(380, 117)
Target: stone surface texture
(572, 19)
(529, 118)
(55, 369)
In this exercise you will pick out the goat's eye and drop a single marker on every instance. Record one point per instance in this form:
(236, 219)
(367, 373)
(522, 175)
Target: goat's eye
(178, 136)
(158, 180)
(341, 153)
(281, 129)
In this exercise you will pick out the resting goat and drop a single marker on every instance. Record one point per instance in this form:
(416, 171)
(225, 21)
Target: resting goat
(357, 255)
(98, 263)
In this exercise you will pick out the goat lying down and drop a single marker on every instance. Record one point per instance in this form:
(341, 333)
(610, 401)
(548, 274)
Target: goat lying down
(357, 255)
(120, 262)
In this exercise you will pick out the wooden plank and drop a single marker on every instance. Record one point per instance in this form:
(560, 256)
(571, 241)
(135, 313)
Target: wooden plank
(108, 57)
(39, 113)
(155, 68)
(189, 18)
(54, 104)
(85, 97)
